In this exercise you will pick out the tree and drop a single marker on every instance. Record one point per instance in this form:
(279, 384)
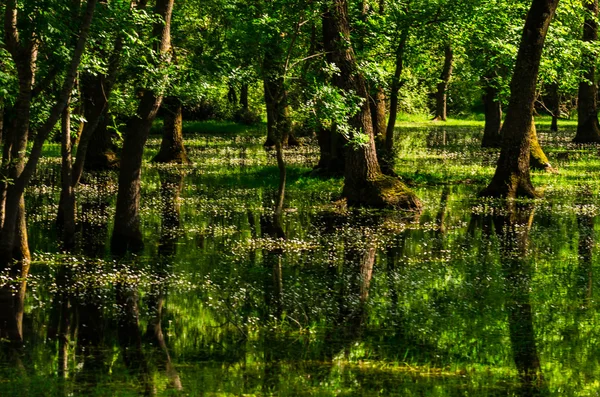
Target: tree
(364, 183)
(512, 176)
(442, 86)
(127, 233)
(588, 128)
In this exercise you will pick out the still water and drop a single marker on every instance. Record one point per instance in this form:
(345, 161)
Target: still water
(471, 298)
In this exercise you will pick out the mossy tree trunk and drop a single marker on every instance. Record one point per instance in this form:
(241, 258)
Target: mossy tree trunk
(537, 158)
(588, 128)
(364, 183)
(127, 234)
(441, 96)
(172, 149)
(512, 176)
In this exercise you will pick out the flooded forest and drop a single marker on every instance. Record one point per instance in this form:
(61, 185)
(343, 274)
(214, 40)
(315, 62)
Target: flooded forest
(299, 198)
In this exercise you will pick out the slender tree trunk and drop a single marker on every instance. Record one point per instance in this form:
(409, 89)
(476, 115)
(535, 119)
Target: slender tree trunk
(554, 98)
(66, 207)
(396, 85)
(331, 150)
(244, 96)
(512, 176)
(442, 87)
(172, 149)
(127, 233)
(377, 104)
(364, 183)
(493, 117)
(588, 128)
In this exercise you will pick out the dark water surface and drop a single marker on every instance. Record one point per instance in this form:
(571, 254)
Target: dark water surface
(472, 297)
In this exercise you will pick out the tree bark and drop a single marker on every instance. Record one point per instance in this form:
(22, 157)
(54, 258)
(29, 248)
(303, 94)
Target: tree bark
(588, 128)
(442, 87)
(512, 177)
(364, 183)
(493, 117)
(127, 234)
(377, 103)
(172, 149)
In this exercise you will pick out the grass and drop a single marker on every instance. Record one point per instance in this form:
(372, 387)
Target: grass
(471, 120)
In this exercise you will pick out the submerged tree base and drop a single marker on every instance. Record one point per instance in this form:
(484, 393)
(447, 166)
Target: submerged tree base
(511, 187)
(383, 192)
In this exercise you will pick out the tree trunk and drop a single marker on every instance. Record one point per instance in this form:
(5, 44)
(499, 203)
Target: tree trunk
(172, 149)
(279, 125)
(493, 117)
(588, 128)
(332, 159)
(244, 96)
(66, 207)
(396, 85)
(537, 157)
(554, 99)
(377, 103)
(127, 233)
(364, 183)
(512, 176)
(442, 87)
(95, 92)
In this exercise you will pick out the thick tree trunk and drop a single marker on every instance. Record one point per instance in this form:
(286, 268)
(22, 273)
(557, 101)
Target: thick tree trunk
(394, 93)
(364, 183)
(172, 149)
(512, 176)
(442, 87)
(127, 233)
(588, 128)
(493, 117)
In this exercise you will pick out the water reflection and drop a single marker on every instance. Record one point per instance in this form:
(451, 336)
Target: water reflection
(513, 224)
(473, 298)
